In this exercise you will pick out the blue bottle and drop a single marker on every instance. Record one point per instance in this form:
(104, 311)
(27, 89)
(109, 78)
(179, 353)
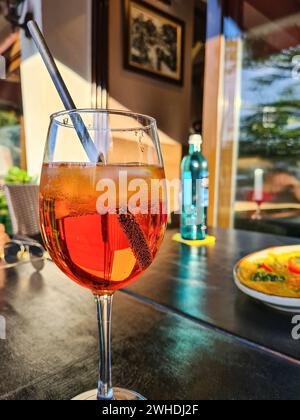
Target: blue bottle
(195, 193)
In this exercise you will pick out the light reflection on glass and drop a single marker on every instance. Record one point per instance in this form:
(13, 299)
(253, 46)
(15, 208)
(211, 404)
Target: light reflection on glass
(191, 279)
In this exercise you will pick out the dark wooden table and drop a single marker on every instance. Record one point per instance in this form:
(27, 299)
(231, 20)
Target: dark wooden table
(182, 332)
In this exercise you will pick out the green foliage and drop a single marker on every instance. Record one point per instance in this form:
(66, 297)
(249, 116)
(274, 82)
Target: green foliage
(17, 176)
(273, 133)
(4, 214)
(14, 176)
(8, 118)
(3, 205)
(280, 138)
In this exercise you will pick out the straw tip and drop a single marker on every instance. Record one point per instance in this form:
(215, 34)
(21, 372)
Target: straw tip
(31, 24)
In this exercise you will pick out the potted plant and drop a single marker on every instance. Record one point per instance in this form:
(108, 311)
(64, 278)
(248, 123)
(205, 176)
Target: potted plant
(15, 176)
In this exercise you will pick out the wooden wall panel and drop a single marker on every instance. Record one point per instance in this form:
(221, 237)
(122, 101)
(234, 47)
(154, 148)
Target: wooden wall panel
(230, 132)
(213, 98)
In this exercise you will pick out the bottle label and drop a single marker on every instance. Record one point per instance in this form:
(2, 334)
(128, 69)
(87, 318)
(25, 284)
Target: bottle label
(204, 191)
(187, 198)
(195, 199)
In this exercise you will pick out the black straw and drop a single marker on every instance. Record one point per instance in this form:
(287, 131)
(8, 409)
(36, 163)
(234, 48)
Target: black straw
(63, 92)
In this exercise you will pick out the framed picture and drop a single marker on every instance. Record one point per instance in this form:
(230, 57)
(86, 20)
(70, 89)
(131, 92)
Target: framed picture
(154, 42)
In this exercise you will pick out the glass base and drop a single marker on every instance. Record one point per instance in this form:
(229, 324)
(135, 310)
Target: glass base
(119, 395)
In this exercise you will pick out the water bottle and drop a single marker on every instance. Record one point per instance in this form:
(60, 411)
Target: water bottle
(195, 193)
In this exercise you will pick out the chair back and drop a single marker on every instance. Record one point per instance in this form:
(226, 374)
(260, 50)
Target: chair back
(23, 205)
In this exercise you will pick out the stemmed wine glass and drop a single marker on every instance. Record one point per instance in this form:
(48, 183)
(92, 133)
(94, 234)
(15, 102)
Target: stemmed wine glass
(103, 210)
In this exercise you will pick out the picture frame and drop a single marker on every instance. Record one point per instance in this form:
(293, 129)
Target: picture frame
(154, 42)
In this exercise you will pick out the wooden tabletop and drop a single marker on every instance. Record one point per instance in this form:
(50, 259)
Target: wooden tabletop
(181, 332)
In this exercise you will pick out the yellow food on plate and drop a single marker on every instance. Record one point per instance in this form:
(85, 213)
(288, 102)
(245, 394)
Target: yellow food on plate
(274, 272)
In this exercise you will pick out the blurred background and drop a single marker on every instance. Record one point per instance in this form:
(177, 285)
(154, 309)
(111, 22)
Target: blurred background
(229, 69)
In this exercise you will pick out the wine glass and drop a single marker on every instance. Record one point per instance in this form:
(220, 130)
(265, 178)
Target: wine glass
(103, 210)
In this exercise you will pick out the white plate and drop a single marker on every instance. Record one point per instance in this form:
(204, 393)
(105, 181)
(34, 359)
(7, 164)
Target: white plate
(291, 305)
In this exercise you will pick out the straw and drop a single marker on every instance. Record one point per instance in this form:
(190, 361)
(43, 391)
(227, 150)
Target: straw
(63, 92)
(131, 228)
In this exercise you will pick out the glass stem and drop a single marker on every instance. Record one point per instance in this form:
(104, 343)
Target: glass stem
(104, 309)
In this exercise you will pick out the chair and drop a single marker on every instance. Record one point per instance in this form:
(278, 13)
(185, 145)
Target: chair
(23, 205)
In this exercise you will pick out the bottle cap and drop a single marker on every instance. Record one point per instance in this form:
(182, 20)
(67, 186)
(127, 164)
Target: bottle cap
(195, 139)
